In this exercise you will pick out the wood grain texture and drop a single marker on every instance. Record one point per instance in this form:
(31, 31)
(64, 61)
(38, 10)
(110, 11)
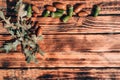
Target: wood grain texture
(76, 25)
(102, 24)
(85, 48)
(60, 73)
(79, 42)
(62, 59)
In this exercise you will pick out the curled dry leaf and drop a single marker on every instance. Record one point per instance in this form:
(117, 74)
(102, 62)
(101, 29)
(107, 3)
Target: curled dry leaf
(39, 31)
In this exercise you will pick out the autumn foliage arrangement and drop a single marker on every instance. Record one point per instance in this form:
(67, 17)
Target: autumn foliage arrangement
(26, 34)
(23, 32)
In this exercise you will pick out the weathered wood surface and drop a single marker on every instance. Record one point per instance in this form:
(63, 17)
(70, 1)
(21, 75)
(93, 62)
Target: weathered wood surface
(67, 43)
(84, 48)
(62, 59)
(76, 25)
(61, 74)
(102, 24)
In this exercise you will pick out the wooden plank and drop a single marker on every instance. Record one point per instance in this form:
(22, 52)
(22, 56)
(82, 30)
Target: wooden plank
(62, 59)
(97, 43)
(55, 74)
(100, 24)
(78, 42)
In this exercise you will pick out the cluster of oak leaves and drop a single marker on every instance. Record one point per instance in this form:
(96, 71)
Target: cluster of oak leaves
(22, 33)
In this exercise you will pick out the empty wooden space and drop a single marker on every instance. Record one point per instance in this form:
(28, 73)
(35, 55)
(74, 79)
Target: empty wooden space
(84, 48)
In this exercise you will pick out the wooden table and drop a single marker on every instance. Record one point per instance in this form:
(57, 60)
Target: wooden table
(84, 48)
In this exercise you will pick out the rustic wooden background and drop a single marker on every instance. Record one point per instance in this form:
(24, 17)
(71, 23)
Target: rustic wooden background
(85, 48)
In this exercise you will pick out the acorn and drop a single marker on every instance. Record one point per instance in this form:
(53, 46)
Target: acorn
(61, 11)
(56, 14)
(70, 10)
(27, 1)
(60, 6)
(95, 10)
(82, 14)
(45, 13)
(78, 8)
(50, 8)
(35, 9)
(65, 18)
